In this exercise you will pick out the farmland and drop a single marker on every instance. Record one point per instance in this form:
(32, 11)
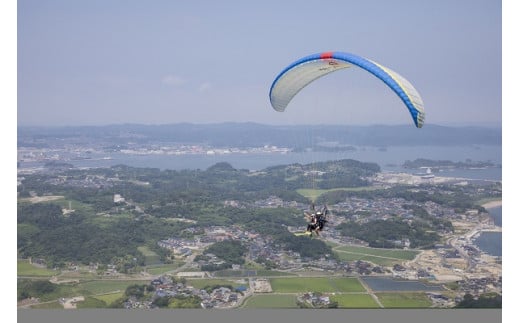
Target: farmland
(404, 300)
(381, 257)
(27, 269)
(271, 301)
(346, 292)
(317, 284)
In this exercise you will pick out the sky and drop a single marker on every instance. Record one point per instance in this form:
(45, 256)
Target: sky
(101, 62)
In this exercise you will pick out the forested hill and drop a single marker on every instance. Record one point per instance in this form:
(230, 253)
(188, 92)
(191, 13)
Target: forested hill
(253, 135)
(101, 228)
(106, 214)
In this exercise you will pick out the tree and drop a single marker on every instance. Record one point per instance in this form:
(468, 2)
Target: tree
(36, 288)
(161, 301)
(135, 290)
(231, 251)
(491, 300)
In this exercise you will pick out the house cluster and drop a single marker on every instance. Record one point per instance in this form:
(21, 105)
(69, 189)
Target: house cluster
(182, 149)
(401, 272)
(270, 202)
(164, 286)
(221, 297)
(314, 300)
(219, 233)
(209, 260)
(185, 247)
(478, 286)
(87, 181)
(274, 201)
(262, 247)
(134, 303)
(182, 247)
(366, 210)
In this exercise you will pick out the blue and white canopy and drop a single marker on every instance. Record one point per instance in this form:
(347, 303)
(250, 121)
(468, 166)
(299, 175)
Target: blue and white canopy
(307, 69)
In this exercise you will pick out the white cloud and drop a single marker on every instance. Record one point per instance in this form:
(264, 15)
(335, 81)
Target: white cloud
(173, 80)
(206, 86)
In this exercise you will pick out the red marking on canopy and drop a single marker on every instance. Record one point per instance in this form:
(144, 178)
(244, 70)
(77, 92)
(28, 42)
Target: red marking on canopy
(326, 55)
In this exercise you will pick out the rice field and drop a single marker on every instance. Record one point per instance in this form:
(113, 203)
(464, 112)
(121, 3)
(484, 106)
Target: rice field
(385, 262)
(380, 252)
(404, 300)
(381, 257)
(95, 287)
(316, 284)
(110, 297)
(91, 302)
(354, 301)
(271, 301)
(346, 291)
(162, 269)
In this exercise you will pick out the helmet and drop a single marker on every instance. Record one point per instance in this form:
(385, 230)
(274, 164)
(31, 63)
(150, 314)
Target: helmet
(318, 213)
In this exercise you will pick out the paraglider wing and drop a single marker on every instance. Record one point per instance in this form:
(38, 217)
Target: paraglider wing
(307, 69)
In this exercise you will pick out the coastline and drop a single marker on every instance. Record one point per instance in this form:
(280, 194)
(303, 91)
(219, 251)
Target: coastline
(492, 204)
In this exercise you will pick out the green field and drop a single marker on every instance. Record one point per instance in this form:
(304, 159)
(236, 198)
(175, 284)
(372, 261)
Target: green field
(316, 284)
(95, 287)
(271, 301)
(404, 300)
(378, 256)
(24, 268)
(60, 291)
(162, 269)
(74, 205)
(150, 257)
(267, 273)
(109, 298)
(91, 302)
(385, 262)
(354, 301)
(64, 203)
(82, 274)
(380, 252)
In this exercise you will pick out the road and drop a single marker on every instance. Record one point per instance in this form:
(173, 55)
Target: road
(370, 292)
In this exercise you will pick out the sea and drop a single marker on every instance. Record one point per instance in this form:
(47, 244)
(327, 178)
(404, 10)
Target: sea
(491, 242)
(388, 158)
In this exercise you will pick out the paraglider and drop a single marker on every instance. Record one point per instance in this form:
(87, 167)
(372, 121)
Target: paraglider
(307, 69)
(317, 220)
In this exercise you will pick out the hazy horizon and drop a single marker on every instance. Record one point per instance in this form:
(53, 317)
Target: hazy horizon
(451, 125)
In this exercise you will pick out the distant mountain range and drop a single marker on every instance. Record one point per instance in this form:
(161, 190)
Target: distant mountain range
(253, 134)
